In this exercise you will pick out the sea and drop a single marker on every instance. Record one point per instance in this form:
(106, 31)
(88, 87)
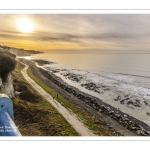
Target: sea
(124, 73)
(131, 65)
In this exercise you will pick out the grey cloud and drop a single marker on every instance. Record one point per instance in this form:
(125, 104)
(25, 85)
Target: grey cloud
(64, 37)
(117, 36)
(40, 36)
(56, 37)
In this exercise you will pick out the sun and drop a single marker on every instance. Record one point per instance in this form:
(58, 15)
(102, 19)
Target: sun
(25, 25)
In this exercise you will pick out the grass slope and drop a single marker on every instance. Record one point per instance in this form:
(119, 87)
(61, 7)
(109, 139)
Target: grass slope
(33, 114)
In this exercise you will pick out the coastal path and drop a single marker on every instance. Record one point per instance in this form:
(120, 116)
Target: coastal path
(68, 115)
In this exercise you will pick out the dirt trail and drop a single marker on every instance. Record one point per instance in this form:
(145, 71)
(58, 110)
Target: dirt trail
(70, 116)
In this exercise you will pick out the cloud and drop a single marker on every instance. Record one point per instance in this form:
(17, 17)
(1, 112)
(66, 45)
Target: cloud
(93, 30)
(56, 37)
(40, 36)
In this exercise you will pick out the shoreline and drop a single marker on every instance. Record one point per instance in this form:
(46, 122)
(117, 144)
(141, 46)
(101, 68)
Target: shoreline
(70, 117)
(122, 92)
(102, 111)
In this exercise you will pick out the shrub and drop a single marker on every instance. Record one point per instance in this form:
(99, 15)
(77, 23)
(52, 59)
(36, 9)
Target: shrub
(7, 64)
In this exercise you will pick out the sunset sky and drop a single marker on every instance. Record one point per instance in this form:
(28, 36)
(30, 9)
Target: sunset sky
(77, 32)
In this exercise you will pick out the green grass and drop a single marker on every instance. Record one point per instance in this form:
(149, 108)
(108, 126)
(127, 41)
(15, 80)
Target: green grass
(41, 119)
(87, 119)
(19, 67)
(38, 117)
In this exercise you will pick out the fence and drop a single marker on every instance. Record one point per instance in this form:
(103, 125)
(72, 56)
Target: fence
(7, 125)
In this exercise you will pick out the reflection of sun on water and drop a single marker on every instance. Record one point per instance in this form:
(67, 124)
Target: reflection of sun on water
(25, 25)
(27, 57)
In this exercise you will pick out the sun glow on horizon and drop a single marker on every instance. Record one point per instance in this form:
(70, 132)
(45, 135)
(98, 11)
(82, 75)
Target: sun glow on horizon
(25, 25)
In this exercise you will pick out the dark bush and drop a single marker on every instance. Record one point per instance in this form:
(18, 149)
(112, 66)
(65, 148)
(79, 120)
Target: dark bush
(7, 64)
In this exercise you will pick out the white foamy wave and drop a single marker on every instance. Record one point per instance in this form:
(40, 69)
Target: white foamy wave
(122, 78)
(125, 84)
(117, 82)
(136, 91)
(56, 66)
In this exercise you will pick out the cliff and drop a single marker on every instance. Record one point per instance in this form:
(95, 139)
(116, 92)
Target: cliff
(7, 86)
(22, 52)
(7, 65)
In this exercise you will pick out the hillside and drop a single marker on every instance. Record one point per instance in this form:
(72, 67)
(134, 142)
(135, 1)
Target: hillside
(33, 114)
(7, 65)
